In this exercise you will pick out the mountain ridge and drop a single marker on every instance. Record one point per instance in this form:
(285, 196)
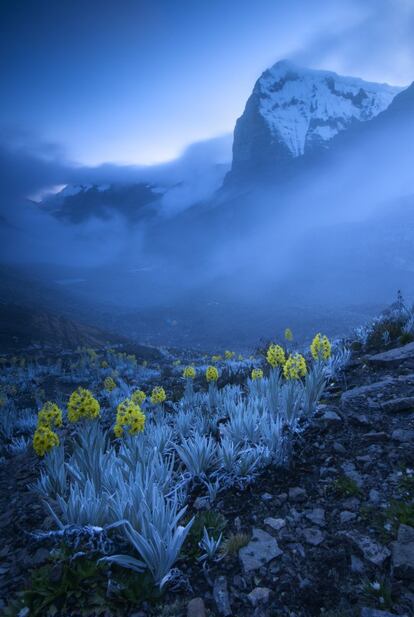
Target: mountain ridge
(293, 111)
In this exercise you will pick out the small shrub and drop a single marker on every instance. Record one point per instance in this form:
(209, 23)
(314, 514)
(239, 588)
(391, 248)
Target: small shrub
(214, 522)
(346, 487)
(406, 337)
(378, 593)
(400, 513)
(406, 485)
(234, 543)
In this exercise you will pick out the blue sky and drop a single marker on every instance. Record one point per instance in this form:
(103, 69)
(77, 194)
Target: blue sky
(137, 81)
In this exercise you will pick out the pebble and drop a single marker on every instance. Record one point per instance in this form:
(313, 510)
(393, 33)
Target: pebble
(221, 596)
(297, 494)
(346, 517)
(316, 516)
(259, 595)
(261, 549)
(339, 448)
(374, 496)
(371, 550)
(313, 536)
(275, 523)
(196, 608)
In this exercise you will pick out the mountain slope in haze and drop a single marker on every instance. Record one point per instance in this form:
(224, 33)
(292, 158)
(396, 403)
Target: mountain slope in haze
(293, 111)
(78, 203)
(24, 327)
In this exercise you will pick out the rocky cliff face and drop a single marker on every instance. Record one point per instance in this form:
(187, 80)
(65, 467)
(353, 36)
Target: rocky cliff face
(293, 111)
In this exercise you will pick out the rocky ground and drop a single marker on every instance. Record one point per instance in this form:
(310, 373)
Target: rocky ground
(331, 535)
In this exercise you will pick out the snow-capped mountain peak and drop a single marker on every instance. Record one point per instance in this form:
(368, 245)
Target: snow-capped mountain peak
(305, 106)
(294, 110)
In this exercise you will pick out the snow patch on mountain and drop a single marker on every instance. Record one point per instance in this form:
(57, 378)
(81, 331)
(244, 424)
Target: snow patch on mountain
(304, 108)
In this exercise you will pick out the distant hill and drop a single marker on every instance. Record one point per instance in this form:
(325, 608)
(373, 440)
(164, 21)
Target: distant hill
(22, 327)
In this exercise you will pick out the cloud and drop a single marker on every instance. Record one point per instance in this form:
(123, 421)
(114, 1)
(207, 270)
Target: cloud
(29, 166)
(375, 42)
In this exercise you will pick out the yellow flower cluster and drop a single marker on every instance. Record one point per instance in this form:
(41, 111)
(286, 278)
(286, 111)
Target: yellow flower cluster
(229, 355)
(295, 367)
(129, 415)
(275, 355)
(189, 372)
(50, 415)
(104, 364)
(138, 397)
(82, 405)
(109, 384)
(288, 334)
(92, 354)
(257, 373)
(216, 358)
(320, 347)
(211, 374)
(44, 440)
(158, 395)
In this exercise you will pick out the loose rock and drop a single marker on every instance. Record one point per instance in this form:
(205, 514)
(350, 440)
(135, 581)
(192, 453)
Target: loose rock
(261, 549)
(372, 551)
(297, 494)
(196, 608)
(221, 596)
(403, 553)
(259, 595)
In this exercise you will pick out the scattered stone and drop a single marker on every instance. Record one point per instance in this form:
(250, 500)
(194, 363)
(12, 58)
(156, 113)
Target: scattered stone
(371, 550)
(196, 608)
(221, 596)
(366, 458)
(259, 595)
(261, 549)
(316, 516)
(356, 565)
(351, 503)
(394, 356)
(399, 404)
(350, 472)
(267, 497)
(375, 437)
(332, 418)
(325, 472)
(298, 549)
(297, 494)
(346, 517)
(275, 523)
(374, 496)
(339, 448)
(374, 612)
(403, 553)
(357, 398)
(313, 536)
(360, 419)
(294, 516)
(402, 435)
